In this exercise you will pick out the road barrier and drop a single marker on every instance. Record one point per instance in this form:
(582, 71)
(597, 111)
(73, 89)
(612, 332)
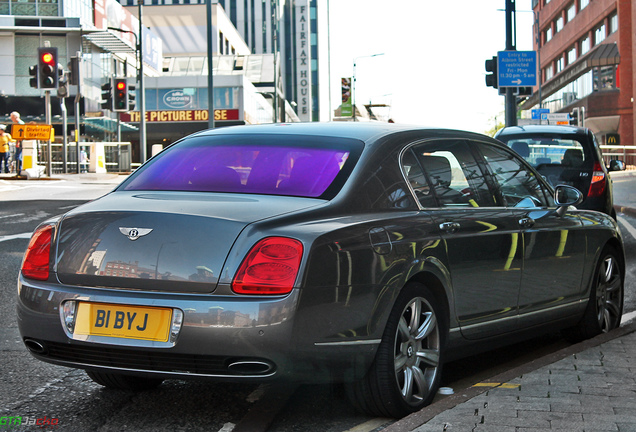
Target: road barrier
(626, 154)
(112, 157)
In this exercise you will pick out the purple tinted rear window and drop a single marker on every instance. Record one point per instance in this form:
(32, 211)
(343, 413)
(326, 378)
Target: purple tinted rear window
(274, 170)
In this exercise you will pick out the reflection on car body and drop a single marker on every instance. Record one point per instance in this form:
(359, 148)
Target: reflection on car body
(368, 254)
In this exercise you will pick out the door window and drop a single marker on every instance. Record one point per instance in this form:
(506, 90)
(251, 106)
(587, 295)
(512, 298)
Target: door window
(453, 174)
(517, 185)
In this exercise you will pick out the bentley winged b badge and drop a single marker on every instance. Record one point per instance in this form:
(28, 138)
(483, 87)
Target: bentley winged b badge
(134, 233)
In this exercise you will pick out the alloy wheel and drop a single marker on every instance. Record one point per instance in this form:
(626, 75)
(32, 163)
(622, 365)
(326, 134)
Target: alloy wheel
(417, 351)
(609, 294)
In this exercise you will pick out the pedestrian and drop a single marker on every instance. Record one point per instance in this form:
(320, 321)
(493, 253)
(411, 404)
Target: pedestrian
(17, 157)
(5, 138)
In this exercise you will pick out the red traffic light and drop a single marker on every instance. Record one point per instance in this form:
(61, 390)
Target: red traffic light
(121, 85)
(47, 57)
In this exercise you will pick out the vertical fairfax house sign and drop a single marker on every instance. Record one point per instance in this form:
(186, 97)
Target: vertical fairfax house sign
(303, 60)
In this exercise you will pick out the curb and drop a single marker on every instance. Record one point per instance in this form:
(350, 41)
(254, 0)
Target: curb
(421, 417)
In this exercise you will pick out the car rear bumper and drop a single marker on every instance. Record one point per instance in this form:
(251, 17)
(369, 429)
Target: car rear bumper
(225, 338)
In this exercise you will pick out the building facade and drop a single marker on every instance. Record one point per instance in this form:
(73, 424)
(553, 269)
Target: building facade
(287, 27)
(586, 63)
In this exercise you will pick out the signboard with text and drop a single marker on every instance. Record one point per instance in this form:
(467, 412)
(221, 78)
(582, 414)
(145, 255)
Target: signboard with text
(168, 116)
(517, 68)
(31, 132)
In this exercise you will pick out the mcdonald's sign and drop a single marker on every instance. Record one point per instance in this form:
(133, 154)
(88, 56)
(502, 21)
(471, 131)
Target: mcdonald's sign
(612, 139)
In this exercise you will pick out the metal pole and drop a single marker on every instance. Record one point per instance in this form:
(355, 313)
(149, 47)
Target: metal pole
(353, 89)
(536, 21)
(64, 135)
(77, 111)
(511, 99)
(275, 27)
(47, 115)
(208, 9)
(142, 91)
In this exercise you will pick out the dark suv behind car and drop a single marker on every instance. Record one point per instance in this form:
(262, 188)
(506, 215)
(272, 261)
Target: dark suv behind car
(566, 155)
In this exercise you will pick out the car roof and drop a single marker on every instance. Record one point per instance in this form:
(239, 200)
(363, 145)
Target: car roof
(369, 132)
(542, 129)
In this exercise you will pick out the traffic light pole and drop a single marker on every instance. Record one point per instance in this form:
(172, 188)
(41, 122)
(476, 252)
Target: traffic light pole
(511, 99)
(47, 115)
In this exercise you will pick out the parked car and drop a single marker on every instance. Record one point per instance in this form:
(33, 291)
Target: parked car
(566, 155)
(364, 253)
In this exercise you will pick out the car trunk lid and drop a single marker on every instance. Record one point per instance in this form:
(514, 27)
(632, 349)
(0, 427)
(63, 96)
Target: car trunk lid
(168, 241)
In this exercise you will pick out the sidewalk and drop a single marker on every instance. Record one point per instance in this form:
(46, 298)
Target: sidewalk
(590, 386)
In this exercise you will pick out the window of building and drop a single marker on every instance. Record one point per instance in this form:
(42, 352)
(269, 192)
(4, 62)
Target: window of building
(571, 12)
(583, 4)
(604, 78)
(559, 64)
(613, 23)
(599, 34)
(559, 24)
(571, 55)
(548, 34)
(549, 72)
(585, 45)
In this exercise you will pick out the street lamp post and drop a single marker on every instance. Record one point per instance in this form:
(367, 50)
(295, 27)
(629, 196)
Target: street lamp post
(353, 84)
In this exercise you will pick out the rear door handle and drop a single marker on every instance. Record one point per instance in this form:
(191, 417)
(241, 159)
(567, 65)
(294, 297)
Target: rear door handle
(449, 227)
(526, 222)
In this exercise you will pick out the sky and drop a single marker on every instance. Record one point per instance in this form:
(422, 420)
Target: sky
(432, 69)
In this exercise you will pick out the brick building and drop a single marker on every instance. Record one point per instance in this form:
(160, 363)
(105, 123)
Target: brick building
(585, 50)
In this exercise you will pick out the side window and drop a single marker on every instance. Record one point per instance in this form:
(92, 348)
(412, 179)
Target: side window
(416, 178)
(517, 185)
(453, 174)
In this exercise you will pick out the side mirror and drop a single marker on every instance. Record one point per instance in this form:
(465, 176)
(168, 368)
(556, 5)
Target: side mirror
(566, 196)
(617, 165)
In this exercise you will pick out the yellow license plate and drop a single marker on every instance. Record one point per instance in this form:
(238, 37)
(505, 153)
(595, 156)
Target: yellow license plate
(130, 322)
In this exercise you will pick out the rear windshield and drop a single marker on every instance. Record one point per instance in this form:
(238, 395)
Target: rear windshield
(550, 151)
(274, 165)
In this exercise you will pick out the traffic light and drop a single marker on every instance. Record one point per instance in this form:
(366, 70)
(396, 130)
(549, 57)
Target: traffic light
(47, 68)
(33, 72)
(120, 95)
(524, 91)
(74, 71)
(131, 98)
(107, 95)
(491, 66)
(62, 88)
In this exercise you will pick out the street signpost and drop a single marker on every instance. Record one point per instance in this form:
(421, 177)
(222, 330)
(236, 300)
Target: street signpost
(40, 132)
(517, 68)
(537, 113)
(556, 118)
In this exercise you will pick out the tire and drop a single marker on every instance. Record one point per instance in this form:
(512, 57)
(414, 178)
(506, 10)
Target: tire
(118, 381)
(405, 374)
(605, 306)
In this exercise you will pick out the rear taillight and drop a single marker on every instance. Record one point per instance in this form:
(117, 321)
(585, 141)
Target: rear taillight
(270, 267)
(37, 256)
(597, 186)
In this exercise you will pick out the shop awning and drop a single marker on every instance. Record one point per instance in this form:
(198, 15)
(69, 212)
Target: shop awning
(605, 55)
(107, 124)
(602, 55)
(109, 42)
